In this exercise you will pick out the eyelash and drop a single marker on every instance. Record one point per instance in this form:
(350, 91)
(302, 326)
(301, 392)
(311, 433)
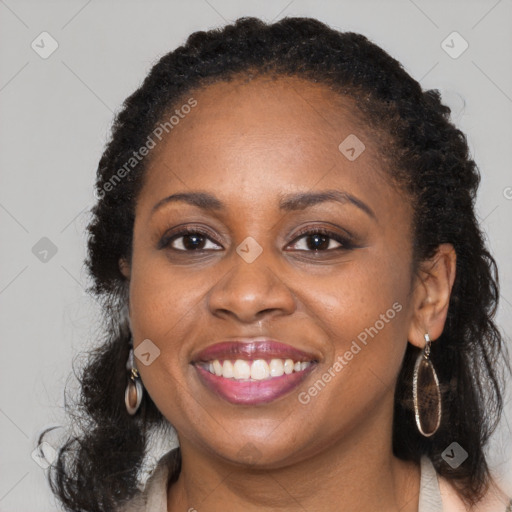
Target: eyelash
(345, 242)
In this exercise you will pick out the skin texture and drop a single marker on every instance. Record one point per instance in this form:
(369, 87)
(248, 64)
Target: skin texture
(248, 144)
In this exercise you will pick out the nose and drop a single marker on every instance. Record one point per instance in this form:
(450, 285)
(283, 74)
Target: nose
(250, 291)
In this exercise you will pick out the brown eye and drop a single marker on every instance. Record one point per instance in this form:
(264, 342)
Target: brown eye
(321, 240)
(188, 240)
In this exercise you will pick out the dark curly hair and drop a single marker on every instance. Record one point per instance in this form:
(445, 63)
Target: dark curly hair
(424, 155)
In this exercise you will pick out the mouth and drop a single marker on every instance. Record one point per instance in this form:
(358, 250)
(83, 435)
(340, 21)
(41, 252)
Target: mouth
(253, 372)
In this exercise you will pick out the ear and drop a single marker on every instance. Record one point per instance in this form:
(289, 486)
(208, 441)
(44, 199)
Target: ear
(431, 296)
(124, 267)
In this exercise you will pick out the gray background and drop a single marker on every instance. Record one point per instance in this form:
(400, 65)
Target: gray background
(56, 115)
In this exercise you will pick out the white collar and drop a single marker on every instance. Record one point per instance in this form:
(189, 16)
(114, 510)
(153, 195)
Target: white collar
(430, 495)
(154, 497)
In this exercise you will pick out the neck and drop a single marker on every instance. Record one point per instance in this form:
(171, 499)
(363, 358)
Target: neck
(358, 473)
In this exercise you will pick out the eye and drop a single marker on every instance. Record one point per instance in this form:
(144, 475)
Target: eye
(321, 240)
(309, 240)
(187, 240)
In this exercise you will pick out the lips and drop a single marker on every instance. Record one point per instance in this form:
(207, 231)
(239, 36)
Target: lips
(251, 350)
(252, 371)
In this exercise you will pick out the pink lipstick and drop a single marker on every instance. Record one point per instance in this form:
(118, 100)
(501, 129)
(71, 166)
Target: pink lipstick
(252, 372)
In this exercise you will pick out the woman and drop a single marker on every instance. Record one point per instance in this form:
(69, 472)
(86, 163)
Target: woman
(295, 281)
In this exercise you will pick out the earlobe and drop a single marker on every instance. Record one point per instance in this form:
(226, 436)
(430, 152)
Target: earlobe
(124, 267)
(431, 297)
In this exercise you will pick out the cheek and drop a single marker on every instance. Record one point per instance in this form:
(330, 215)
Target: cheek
(362, 311)
(163, 311)
(363, 317)
(162, 298)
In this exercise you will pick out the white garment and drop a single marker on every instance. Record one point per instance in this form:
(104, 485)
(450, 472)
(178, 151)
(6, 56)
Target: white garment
(433, 497)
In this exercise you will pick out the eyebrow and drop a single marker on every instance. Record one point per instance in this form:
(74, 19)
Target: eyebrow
(288, 202)
(304, 200)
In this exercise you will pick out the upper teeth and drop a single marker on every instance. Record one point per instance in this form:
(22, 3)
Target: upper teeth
(259, 369)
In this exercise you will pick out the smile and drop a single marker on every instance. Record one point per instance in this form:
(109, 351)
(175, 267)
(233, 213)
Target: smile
(252, 373)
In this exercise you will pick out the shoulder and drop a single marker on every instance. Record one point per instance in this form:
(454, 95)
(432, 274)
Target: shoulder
(495, 500)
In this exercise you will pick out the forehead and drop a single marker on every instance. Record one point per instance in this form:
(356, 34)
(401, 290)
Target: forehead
(283, 133)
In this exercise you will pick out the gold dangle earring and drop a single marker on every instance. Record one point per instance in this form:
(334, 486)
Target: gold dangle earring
(134, 389)
(427, 408)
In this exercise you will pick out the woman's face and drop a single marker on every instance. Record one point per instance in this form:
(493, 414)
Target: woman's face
(339, 303)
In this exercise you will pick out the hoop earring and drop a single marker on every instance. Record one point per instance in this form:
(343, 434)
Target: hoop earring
(134, 389)
(428, 414)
